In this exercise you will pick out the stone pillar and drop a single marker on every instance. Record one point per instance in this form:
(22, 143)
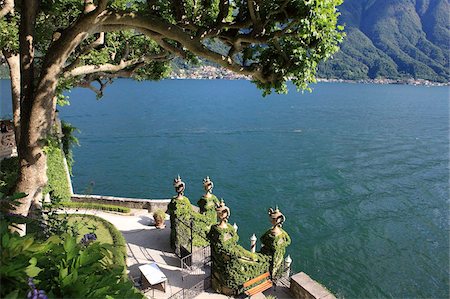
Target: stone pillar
(274, 243)
(275, 247)
(207, 203)
(232, 265)
(179, 210)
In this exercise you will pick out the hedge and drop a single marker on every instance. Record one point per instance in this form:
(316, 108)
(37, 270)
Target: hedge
(58, 184)
(93, 206)
(118, 239)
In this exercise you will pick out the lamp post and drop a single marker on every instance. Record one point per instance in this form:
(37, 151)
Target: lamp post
(287, 265)
(253, 243)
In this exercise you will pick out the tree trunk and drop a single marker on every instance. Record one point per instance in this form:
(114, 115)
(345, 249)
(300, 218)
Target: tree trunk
(14, 72)
(32, 160)
(37, 102)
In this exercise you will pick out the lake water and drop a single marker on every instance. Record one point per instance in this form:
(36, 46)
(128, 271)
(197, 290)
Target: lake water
(360, 171)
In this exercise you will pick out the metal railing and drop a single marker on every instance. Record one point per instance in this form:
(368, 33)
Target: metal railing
(194, 291)
(196, 263)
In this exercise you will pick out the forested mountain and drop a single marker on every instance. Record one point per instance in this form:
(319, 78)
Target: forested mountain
(393, 39)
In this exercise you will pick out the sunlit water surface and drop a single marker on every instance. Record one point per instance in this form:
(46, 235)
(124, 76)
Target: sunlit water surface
(360, 171)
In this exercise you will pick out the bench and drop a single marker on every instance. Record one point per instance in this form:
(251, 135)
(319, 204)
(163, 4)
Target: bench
(266, 283)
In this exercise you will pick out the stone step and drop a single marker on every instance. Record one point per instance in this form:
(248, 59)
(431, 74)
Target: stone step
(258, 296)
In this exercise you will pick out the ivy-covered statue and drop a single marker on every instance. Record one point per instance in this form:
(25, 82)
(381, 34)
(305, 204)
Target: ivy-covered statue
(223, 213)
(277, 219)
(275, 241)
(179, 186)
(208, 185)
(179, 208)
(208, 201)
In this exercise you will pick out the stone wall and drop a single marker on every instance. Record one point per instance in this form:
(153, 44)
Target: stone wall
(304, 287)
(7, 145)
(134, 203)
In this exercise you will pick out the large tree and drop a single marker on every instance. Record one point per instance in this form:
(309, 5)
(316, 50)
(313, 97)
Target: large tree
(54, 45)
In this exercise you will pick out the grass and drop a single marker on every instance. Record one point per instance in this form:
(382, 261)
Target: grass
(87, 224)
(106, 232)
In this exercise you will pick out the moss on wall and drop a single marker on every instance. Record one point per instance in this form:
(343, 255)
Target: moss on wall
(275, 248)
(180, 233)
(232, 265)
(180, 209)
(208, 207)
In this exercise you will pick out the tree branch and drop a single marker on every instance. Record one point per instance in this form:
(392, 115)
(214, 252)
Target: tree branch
(6, 7)
(98, 91)
(112, 68)
(96, 43)
(162, 29)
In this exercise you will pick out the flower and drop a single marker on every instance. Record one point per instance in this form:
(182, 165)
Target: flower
(88, 238)
(35, 293)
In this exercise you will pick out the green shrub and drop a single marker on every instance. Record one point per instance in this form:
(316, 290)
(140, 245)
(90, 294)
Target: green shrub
(68, 141)
(159, 214)
(94, 206)
(275, 247)
(58, 184)
(8, 174)
(62, 267)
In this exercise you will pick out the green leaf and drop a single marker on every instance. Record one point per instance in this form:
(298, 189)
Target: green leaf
(5, 240)
(70, 279)
(33, 261)
(33, 271)
(63, 273)
(27, 243)
(54, 239)
(70, 244)
(12, 295)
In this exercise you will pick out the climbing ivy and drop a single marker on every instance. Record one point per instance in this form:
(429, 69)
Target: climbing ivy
(275, 247)
(232, 265)
(179, 208)
(182, 210)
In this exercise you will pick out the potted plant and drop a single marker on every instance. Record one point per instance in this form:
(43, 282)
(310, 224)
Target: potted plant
(159, 216)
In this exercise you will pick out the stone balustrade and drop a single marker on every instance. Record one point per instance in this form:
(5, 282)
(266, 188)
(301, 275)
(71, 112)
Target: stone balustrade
(134, 203)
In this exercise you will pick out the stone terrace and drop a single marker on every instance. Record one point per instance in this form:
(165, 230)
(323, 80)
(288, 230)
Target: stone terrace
(147, 244)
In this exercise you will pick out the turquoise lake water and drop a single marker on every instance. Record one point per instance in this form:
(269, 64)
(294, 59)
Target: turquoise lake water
(360, 171)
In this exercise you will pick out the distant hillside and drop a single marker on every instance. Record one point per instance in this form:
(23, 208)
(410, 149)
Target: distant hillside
(393, 39)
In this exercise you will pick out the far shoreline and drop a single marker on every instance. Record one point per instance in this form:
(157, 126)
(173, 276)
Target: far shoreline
(380, 81)
(411, 82)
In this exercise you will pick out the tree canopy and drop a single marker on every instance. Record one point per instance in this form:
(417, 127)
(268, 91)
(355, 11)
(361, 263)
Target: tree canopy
(271, 41)
(66, 43)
